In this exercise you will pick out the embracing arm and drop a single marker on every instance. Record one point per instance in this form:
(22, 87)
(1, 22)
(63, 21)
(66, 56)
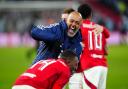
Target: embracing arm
(98, 29)
(48, 33)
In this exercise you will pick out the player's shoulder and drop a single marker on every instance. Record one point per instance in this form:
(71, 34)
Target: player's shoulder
(88, 24)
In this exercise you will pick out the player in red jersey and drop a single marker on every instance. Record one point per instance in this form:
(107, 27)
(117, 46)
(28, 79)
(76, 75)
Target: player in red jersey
(92, 62)
(48, 74)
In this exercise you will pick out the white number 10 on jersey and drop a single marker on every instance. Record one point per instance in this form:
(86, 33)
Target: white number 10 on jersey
(96, 42)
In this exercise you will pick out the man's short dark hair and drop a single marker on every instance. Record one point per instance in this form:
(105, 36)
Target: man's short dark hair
(68, 55)
(85, 10)
(68, 10)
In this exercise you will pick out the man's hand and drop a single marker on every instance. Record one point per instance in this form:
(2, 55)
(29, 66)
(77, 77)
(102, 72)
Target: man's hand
(98, 29)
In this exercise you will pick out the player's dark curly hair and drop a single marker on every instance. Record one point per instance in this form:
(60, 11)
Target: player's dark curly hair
(85, 10)
(68, 55)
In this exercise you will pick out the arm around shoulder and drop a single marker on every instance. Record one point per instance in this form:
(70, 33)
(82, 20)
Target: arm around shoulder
(47, 33)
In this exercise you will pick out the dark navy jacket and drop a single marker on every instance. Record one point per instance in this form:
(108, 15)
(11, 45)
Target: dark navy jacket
(54, 39)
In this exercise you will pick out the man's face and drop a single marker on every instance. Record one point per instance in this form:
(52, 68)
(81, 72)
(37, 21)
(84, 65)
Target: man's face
(74, 22)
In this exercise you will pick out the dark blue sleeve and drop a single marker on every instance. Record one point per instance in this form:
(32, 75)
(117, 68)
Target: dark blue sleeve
(48, 33)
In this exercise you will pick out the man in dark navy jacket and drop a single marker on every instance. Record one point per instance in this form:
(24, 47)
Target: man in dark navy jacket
(58, 37)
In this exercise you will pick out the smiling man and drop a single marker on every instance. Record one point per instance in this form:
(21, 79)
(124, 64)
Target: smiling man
(73, 24)
(58, 37)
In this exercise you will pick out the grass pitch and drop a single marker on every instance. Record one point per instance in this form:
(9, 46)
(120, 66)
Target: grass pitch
(14, 61)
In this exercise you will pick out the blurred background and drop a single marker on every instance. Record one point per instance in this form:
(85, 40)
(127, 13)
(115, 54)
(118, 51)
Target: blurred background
(18, 49)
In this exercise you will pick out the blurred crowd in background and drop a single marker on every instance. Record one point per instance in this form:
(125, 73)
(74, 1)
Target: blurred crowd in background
(15, 24)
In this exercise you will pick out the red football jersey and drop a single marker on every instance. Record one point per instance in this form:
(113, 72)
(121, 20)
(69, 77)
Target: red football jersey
(94, 46)
(46, 74)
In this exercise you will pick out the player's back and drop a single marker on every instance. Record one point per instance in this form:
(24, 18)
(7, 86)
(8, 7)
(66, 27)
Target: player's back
(43, 74)
(94, 46)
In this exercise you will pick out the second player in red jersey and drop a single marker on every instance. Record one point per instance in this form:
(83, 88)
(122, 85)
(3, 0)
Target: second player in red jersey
(94, 46)
(48, 74)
